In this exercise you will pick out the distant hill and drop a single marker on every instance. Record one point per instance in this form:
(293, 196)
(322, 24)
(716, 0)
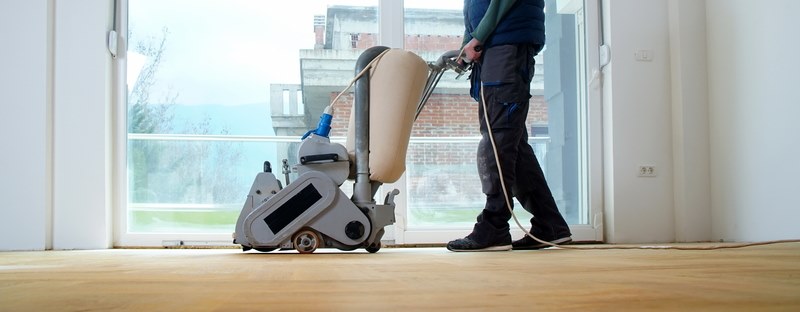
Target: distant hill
(249, 119)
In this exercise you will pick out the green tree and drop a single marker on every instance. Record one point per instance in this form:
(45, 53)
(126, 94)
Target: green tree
(145, 157)
(144, 116)
(172, 172)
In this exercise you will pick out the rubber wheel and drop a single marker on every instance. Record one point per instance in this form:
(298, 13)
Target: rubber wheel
(373, 248)
(306, 241)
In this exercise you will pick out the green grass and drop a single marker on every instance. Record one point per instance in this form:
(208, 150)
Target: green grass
(191, 221)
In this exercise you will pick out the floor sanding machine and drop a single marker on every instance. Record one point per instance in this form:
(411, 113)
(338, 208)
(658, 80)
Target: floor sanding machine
(391, 88)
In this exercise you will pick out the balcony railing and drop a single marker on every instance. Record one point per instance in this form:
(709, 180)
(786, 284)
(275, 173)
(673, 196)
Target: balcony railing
(182, 182)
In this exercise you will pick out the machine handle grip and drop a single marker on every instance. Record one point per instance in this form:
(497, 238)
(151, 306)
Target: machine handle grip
(318, 158)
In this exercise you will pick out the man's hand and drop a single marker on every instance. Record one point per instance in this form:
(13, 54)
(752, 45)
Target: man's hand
(473, 50)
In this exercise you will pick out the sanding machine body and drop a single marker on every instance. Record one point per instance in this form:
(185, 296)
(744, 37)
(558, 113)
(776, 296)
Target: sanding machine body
(391, 88)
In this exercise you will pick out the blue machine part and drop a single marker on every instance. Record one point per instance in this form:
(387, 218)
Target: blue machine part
(324, 127)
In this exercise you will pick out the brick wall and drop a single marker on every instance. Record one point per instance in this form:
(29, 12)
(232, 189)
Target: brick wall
(441, 174)
(444, 115)
(413, 42)
(432, 43)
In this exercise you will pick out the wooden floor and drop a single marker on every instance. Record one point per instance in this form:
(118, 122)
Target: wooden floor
(760, 278)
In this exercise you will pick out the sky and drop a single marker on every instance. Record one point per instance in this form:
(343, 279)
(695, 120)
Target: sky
(229, 51)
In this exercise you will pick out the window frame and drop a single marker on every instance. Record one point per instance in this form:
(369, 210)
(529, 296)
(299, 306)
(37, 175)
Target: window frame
(590, 166)
(391, 34)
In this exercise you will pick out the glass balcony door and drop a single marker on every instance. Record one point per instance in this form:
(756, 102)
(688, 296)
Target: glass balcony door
(210, 89)
(443, 190)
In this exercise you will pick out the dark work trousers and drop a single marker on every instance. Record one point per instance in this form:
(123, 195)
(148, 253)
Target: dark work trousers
(505, 73)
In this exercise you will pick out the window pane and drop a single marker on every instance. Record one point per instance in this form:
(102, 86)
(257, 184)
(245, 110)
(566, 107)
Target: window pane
(192, 184)
(443, 186)
(217, 87)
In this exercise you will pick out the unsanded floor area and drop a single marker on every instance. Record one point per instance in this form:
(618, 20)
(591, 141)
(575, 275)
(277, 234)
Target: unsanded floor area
(760, 278)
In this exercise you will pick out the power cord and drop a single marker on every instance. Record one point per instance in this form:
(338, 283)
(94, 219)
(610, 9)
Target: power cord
(509, 206)
(372, 63)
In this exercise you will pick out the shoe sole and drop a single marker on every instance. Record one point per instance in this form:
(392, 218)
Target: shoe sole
(491, 248)
(560, 241)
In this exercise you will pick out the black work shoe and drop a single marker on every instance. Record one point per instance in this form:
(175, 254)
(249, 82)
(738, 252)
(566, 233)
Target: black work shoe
(468, 244)
(528, 243)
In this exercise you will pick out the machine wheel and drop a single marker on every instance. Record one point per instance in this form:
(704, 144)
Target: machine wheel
(374, 247)
(264, 249)
(306, 241)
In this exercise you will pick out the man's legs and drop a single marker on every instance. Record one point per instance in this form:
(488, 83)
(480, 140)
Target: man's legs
(492, 223)
(509, 70)
(533, 193)
(491, 230)
(506, 103)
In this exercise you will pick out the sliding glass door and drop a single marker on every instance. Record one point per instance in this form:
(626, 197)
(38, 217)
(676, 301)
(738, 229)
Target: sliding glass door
(443, 190)
(215, 88)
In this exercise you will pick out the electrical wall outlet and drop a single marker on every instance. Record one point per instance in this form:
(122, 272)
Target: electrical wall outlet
(647, 171)
(644, 55)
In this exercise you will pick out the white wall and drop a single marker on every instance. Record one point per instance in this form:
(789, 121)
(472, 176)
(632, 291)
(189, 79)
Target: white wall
(82, 125)
(753, 68)
(637, 123)
(55, 126)
(715, 112)
(690, 131)
(24, 130)
(56, 134)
